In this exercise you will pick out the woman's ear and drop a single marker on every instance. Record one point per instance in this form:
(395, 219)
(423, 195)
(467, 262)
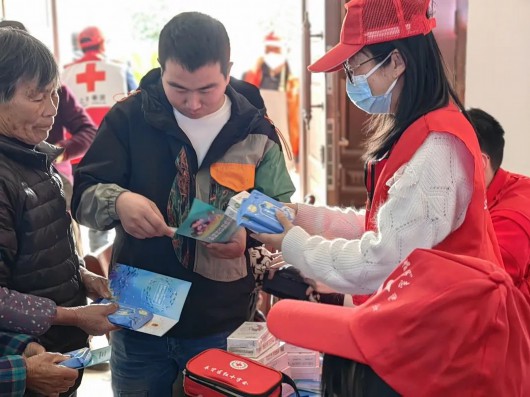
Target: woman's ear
(397, 64)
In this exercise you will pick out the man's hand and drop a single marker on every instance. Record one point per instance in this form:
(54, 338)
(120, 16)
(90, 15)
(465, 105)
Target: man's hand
(32, 349)
(45, 377)
(275, 240)
(95, 285)
(140, 217)
(231, 249)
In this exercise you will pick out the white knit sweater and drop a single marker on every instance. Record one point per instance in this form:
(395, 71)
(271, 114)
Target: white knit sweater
(427, 200)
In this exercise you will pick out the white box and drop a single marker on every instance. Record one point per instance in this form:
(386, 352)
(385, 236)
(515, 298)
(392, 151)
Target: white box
(269, 355)
(295, 349)
(231, 213)
(248, 334)
(304, 359)
(236, 201)
(253, 352)
(279, 362)
(251, 339)
(308, 373)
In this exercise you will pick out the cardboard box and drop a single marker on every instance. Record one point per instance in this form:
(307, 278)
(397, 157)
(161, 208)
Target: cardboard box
(251, 339)
(287, 347)
(279, 362)
(236, 201)
(270, 354)
(306, 373)
(231, 212)
(255, 351)
(303, 359)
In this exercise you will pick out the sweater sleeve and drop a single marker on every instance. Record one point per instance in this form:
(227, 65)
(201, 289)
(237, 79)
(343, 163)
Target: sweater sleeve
(25, 313)
(427, 200)
(330, 222)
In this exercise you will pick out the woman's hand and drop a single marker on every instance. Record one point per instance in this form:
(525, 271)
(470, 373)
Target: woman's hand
(275, 240)
(96, 286)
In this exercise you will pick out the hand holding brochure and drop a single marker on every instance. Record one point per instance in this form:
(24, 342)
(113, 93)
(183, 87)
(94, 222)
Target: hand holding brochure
(207, 223)
(258, 213)
(149, 302)
(85, 357)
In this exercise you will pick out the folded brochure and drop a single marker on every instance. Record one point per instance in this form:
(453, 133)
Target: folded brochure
(149, 302)
(207, 223)
(85, 357)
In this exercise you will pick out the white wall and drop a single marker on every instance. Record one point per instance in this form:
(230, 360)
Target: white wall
(498, 72)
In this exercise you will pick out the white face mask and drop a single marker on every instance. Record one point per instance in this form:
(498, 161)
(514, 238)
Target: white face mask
(273, 60)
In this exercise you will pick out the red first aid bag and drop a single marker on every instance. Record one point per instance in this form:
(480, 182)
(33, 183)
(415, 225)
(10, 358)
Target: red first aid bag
(218, 373)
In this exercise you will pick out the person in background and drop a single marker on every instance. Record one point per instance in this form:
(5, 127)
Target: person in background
(440, 325)
(508, 200)
(185, 135)
(424, 171)
(37, 250)
(98, 83)
(272, 73)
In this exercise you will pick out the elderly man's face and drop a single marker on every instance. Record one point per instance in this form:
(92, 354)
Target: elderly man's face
(29, 115)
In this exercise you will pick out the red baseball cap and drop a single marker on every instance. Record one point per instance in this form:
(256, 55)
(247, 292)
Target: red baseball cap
(272, 40)
(375, 21)
(90, 37)
(441, 325)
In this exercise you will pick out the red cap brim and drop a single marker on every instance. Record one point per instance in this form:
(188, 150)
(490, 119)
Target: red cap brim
(334, 58)
(315, 326)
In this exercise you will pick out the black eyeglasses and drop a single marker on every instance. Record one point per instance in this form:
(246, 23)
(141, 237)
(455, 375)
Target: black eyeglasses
(348, 69)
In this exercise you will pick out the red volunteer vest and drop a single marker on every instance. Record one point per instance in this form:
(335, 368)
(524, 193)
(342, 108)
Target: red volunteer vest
(475, 237)
(509, 198)
(96, 83)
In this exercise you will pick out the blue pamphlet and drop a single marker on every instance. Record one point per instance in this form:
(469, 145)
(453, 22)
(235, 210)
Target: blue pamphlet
(128, 317)
(258, 213)
(149, 302)
(207, 223)
(78, 358)
(85, 357)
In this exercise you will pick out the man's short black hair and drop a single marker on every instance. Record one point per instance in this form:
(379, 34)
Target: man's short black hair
(490, 135)
(13, 24)
(194, 40)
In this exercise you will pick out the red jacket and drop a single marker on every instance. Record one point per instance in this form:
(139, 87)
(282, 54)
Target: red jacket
(509, 205)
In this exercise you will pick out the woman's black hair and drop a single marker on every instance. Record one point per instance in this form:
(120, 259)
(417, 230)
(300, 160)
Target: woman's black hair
(342, 377)
(426, 87)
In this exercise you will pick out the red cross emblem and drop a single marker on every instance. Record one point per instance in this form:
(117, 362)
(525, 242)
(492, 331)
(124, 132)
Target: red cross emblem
(90, 77)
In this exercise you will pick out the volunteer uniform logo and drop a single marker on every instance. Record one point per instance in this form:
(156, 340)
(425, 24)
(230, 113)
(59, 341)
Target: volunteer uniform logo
(239, 365)
(90, 76)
